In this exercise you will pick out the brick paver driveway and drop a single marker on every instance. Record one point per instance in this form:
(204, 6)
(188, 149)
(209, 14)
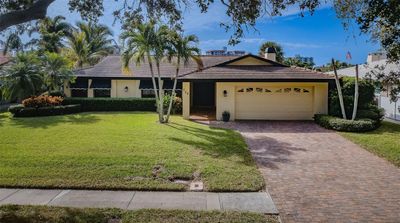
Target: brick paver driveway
(315, 175)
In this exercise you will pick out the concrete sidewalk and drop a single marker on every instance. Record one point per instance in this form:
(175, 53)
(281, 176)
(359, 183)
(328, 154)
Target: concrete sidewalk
(259, 202)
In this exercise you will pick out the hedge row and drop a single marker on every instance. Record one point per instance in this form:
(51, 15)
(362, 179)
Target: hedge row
(344, 125)
(113, 104)
(21, 111)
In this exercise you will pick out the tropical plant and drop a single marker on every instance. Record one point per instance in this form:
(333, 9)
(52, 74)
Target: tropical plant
(52, 31)
(183, 50)
(22, 79)
(339, 90)
(355, 103)
(89, 43)
(146, 42)
(12, 43)
(278, 49)
(56, 70)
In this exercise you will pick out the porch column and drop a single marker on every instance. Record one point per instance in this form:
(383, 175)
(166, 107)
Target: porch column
(67, 90)
(90, 90)
(186, 100)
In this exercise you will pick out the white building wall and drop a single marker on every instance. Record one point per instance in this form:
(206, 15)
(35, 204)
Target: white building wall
(392, 109)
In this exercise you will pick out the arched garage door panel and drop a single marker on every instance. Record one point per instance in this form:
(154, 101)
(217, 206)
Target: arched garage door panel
(277, 103)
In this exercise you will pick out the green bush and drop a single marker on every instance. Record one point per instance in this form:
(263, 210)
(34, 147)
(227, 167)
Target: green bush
(373, 113)
(21, 111)
(366, 99)
(176, 104)
(113, 104)
(344, 125)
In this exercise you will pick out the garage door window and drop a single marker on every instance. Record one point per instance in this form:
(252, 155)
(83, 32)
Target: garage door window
(286, 90)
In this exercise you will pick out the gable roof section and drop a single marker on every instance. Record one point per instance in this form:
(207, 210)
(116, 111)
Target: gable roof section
(262, 61)
(271, 70)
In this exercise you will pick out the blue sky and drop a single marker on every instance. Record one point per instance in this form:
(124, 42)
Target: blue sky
(321, 36)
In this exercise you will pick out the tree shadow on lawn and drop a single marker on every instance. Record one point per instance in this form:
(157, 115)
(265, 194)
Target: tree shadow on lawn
(222, 144)
(266, 151)
(50, 121)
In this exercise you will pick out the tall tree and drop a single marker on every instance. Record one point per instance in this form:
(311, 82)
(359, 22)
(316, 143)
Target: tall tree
(56, 70)
(89, 43)
(183, 50)
(23, 78)
(339, 89)
(355, 96)
(278, 49)
(12, 43)
(52, 31)
(140, 43)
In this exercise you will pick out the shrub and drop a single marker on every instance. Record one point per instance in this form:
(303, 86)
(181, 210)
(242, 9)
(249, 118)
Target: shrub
(42, 101)
(365, 99)
(176, 104)
(21, 111)
(373, 113)
(113, 104)
(344, 125)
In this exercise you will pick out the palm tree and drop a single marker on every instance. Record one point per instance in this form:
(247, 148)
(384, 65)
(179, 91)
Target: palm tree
(12, 43)
(355, 95)
(184, 51)
(142, 43)
(52, 31)
(56, 70)
(22, 79)
(339, 89)
(89, 43)
(278, 49)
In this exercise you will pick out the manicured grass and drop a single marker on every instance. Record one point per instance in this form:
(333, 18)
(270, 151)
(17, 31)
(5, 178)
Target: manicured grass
(122, 151)
(384, 141)
(39, 214)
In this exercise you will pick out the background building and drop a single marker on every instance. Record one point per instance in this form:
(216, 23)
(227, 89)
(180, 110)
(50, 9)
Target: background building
(225, 52)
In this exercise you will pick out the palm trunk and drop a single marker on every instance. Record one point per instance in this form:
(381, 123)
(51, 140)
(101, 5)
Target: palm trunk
(154, 81)
(160, 95)
(339, 89)
(173, 91)
(355, 95)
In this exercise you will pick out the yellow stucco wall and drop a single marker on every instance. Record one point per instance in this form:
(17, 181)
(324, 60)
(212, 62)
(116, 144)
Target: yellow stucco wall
(250, 61)
(319, 99)
(186, 100)
(118, 89)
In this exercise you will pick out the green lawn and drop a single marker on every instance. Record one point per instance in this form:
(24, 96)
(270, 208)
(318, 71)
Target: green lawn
(385, 141)
(122, 151)
(39, 214)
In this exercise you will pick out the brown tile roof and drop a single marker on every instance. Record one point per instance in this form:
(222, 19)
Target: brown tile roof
(4, 58)
(111, 66)
(215, 68)
(259, 72)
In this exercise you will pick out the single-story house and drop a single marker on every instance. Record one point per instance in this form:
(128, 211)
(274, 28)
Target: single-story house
(249, 87)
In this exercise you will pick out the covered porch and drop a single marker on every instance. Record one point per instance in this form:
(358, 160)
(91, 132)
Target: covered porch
(199, 100)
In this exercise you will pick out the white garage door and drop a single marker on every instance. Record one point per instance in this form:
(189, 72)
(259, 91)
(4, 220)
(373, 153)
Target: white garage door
(274, 103)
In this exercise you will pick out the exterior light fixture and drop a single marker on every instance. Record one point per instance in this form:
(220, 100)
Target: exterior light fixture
(126, 89)
(225, 93)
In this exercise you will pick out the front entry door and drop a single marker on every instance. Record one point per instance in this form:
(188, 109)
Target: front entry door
(204, 94)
